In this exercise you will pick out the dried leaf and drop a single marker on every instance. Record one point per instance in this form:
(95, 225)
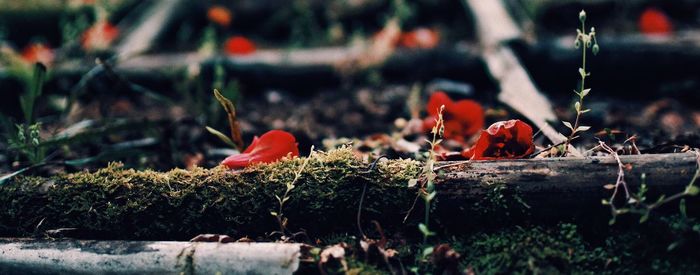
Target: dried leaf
(232, 119)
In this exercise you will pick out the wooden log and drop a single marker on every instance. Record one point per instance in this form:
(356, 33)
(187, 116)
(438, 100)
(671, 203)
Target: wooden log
(569, 186)
(119, 203)
(294, 70)
(670, 66)
(26, 256)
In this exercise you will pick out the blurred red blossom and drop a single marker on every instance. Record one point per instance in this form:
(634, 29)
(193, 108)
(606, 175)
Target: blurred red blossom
(463, 118)
(219, 15)
(99, 36)
(239, 45)
(420, 38)
(655, 22)
(38, 52)
(270, 147)
(510, 139)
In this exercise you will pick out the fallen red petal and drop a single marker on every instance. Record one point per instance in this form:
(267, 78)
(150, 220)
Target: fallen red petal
(99, 36)
(270, 147)
(38, 52)
(420, 38)
(219, 15)
(510, 139)
(462, 119)
(239, 45)
(655, 22)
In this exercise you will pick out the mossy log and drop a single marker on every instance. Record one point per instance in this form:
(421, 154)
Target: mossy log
(119, 203)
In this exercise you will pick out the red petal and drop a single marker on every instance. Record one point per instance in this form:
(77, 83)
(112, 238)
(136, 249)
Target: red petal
(454, 130)
(252, 145)
(270, 147)
(38, 52)
(654, 21)
(470, 114)
(423, 38)
(503, 140)
(219, 15)
(239, 45)
(99, 36)
(438, 99)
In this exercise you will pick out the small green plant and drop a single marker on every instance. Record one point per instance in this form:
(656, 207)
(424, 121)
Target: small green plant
(427, 190)
(584, 41)
(289, 186)
(637, 203)
(27, 142)
(208, 42)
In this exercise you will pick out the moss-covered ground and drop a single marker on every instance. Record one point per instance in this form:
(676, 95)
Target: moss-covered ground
(493, 235)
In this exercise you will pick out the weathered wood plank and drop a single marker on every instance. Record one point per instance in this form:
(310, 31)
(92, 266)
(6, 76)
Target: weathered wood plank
(138, 257)
(146, 29)
(495, 28)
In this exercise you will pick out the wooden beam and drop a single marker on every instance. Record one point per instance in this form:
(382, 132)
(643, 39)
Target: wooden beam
(146, 29)
(324, 58)
(27, 256)
(495, 28)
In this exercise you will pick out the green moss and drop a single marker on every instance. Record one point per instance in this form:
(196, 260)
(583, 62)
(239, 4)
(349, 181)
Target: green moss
(533, 250)
(123, 203)
(559, 249)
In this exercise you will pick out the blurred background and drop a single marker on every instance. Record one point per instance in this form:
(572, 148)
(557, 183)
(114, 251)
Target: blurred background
(87, 82)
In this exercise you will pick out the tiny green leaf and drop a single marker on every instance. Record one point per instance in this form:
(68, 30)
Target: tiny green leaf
(412, 182)
(644, 217)
(682, 208)
(577, 106)
(427, 251)
(568, 125)
(583, 128)
(585, 92)
(672, 246)
(692, 190)
(582, 72)
(424, 229)
(431, 196)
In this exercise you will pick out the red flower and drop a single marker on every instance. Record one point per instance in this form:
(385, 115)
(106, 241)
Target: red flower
(421, 38)
(99, 36)
(38, 52)
(655, 22)
(219, 15)
(239, 45)
(270, 147)
(463, 118)
(510, 139)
